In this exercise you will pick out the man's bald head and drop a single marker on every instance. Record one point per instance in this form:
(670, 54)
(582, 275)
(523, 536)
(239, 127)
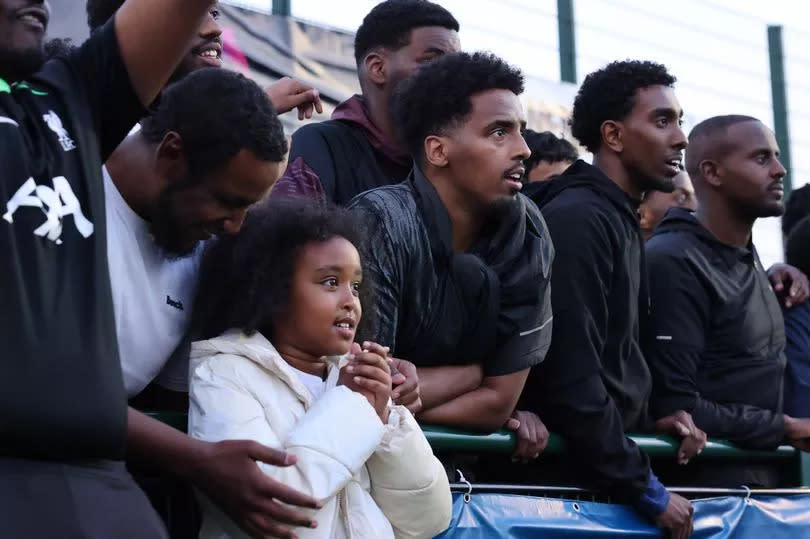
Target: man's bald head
(709, 140)
(734, 164)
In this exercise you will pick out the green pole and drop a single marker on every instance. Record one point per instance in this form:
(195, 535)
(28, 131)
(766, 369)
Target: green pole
(779, 98)
(282, 7)
(565, 30)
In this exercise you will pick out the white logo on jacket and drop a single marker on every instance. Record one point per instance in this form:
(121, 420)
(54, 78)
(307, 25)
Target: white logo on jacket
(56, 204)
(55, 123)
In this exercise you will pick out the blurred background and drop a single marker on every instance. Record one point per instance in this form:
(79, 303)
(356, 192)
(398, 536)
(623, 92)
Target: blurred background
(744, 57)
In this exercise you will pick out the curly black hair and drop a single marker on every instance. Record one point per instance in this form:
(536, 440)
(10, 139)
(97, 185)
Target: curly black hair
(100, 11)
(609, 94)
(212, 135)
(797, 208)
(547, 146)
(245, 279)
(797, 246)
(438, 95)
(389, 24)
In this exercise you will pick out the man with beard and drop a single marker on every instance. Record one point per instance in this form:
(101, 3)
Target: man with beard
(719, 338)
(358, 149)
(188, 174)
(594, 385)
(62, 400)
(461, 261)
(206, 51)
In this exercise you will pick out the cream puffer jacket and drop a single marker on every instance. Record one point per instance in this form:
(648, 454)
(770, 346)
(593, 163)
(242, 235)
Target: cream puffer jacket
(375, 481)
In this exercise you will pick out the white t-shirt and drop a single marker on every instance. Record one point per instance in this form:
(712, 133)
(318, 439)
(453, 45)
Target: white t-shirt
(152, 295)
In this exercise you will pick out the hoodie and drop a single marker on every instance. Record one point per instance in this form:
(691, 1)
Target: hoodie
(719, 337)
(342, 157)
(594, 384)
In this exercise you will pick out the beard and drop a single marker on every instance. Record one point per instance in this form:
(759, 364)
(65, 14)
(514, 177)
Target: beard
(18, 64)
(165, 227)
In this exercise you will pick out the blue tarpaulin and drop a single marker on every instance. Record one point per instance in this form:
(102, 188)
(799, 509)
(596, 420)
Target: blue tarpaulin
(494, 516)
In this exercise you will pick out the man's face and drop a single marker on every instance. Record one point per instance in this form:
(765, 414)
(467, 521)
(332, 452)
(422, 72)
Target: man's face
(751, 171)
(190, 211)
(426, 44)
(652, 139)
(22, 31)
(656, 203)
(545, 170)
(206, 50)
(485, 154)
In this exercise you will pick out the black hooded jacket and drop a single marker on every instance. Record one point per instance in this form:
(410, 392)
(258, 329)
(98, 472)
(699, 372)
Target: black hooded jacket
(719, 337)
(594, 384)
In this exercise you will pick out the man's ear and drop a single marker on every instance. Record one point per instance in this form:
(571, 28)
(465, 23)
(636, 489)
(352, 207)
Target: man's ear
(375, 67)
(711, 172)
(645, 217)
(611, 132)
(436, 151)
(170, 158)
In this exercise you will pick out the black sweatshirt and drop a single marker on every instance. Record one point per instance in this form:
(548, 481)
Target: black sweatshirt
(718, 334)
(594, 384)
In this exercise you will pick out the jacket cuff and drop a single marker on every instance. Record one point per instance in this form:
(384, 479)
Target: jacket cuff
(341, 424)
(654, 499)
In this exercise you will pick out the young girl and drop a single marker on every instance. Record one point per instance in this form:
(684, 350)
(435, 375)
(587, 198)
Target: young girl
(279, 305)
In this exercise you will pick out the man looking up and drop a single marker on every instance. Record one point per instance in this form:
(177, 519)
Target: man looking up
(719, 338)
(62, 398)
(358, 149)
(206, 51)
(461, 259)
(656, 203)
(594, 385)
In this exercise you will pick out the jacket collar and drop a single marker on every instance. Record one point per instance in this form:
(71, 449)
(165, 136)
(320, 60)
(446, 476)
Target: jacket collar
(261, 351)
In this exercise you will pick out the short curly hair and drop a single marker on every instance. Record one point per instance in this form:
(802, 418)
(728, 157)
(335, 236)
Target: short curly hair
(100, 11)
(797, 246)
(797, 208)
(547, 146)
(437, 96)
(246, 279)
(390, 23)
(213, 135)
(610, 94)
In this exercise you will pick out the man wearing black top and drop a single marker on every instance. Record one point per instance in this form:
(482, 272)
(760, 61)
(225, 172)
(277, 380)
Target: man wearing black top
(358, 149)
(719, 339)
(62, 401)
(461, 260)
(594, 385)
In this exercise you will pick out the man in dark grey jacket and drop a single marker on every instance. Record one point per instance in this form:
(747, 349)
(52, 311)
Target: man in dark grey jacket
(717, 335)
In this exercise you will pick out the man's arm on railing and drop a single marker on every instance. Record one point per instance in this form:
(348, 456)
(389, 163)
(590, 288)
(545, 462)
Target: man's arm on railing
(485, 408)
(439, 385)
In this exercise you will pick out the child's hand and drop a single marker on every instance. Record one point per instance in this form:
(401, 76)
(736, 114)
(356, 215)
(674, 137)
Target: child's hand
(368, 373)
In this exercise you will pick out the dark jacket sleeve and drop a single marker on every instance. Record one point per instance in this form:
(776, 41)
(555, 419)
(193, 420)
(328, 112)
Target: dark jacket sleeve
(567, 388)
(680, 318)
(383, 267)
(797, 351)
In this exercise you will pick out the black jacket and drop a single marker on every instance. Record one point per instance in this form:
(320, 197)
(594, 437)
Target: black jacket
(718, 334)
(594, 383)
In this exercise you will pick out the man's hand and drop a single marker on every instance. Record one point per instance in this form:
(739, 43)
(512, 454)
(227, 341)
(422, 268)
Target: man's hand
(789, 283)
(797, 432)
(228, 474)
(680, 425)
(368, 373)
(287, 94)
(531, 433)
(406, 384)
(677, 517)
